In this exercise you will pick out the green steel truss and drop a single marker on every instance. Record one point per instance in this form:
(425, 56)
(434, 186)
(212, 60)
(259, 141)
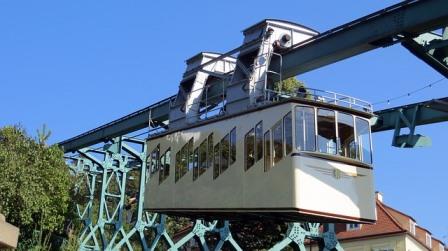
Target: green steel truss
(104, 198)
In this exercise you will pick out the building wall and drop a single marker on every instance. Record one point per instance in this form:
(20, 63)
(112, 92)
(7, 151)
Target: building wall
(400, 242)
(412, 244)
(397, 243)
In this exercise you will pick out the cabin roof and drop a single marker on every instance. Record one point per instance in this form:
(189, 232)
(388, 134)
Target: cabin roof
(294, 26)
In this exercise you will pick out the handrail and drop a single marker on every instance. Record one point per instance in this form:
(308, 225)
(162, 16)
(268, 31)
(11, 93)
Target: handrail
(322, 96)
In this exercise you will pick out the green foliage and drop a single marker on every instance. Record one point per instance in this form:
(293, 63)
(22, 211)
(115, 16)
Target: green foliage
(290, 85)
(35, 183)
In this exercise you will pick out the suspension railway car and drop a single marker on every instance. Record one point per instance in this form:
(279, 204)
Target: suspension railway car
(283, 155)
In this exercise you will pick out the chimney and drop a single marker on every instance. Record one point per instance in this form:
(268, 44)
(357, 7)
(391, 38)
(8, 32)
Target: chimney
(379, 196)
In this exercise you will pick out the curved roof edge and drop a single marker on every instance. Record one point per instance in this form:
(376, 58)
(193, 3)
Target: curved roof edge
(267, 20)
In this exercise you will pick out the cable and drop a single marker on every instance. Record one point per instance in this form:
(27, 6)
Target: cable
(410, 93)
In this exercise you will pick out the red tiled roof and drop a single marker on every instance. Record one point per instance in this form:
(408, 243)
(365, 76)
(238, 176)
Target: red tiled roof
(385, 225)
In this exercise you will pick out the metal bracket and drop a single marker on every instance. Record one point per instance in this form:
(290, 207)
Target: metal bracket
(297, 233)
(410, 140)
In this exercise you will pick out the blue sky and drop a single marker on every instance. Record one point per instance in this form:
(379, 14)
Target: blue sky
(75, 65)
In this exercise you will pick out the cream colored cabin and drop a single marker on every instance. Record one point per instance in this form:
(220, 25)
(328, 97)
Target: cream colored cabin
(294, 159)
(235, 145)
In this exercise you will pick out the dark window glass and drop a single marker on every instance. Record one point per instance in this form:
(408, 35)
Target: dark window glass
(225, 148)
(326, 131)
(155, 159)
(178, 165)
(259, 140)
(233, 146)
(305, 129)
(216, 162)
(203, 157)
(210, 151)
(184, 166)
(363, 140)
(346, 134)
(190, 154)
(162, 168)
(249, 145)
(277, 136)
(267, 151)
(195, 164)
(165, 162)
(287, 129)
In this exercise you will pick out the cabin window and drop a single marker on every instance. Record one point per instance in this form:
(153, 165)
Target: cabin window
(190, 154)
(210, 151)
(177, 165)
(305, 129)
(287, 129)
(155, 159)
(259, 141)
(184, 160)
(195, 164)
(162, 162)
(225, 148)
(216, 162)
(363, 140)
(267, 151)
(165, 162)
(249, 145)
(346, 133)
(203, 157)
(277, 138)
(326, 131)
(233, 146)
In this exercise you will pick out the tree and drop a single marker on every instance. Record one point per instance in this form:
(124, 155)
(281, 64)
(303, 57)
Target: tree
(290, 85)
(35, 183)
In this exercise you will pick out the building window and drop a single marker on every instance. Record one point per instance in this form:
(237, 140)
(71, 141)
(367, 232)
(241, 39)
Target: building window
(267, 151)
(305, 129)
(225, 148)
(412, 227)
(346, 135)
(353, 226)
(428, 240)
(233, 146)
(195, 164)
(441, 247)
(259, 141)
(216, 162)
(165, 162)
(326, 131)
(249, 149)
(277, 138)
(287, 129)
(363, 140)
